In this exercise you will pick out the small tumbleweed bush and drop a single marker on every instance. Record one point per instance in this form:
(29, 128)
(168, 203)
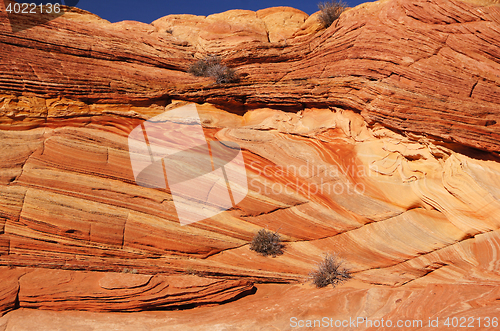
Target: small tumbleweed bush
(129, 271)
(330, 271)
(330, 11)
(211, 66)
(267, 243)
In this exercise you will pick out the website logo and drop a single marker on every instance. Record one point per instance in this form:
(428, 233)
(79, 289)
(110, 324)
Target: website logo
(205, 178)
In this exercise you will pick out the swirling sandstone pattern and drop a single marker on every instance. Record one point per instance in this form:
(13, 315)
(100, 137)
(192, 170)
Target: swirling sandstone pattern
(360, 170)
(401, 210)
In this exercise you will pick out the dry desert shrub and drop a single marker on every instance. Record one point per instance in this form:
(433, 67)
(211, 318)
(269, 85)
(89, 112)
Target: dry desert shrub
(129, 271)
(267, 243)
(211, 66)
(330, 271)
(330, 11)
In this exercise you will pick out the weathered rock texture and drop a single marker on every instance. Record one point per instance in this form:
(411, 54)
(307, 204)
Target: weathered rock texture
(400, 63)
(274, 306)
(402, 211)
(389, 161)
(127, 291)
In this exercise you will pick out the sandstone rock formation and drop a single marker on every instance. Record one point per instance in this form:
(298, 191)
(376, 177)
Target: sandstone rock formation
(376, 139)
(273, 307)
(64, 289)
(399, 63)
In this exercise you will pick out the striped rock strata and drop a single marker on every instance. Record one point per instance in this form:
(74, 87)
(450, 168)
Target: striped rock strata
(400, 210)
(285, 307)
(400, 63)
(389, 159)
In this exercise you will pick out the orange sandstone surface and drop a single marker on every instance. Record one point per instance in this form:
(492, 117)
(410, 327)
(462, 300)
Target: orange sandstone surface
(376, 139)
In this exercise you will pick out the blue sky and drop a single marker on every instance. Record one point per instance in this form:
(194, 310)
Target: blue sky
(149, 10)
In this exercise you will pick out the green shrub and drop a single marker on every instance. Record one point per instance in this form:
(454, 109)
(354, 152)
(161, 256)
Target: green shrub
(267, 243)
(211, 66)
(330, 271)
(330, 11)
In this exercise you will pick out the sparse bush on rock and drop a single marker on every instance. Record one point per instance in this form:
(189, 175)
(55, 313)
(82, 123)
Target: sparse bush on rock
(330, 271)
(330, 11)
(211, 66)
(267, 243)
(129, 271)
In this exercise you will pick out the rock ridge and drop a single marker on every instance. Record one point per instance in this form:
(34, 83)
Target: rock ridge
(399, 63)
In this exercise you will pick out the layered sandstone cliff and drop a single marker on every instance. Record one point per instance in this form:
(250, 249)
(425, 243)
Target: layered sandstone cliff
(399, 63)
(376, 139)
